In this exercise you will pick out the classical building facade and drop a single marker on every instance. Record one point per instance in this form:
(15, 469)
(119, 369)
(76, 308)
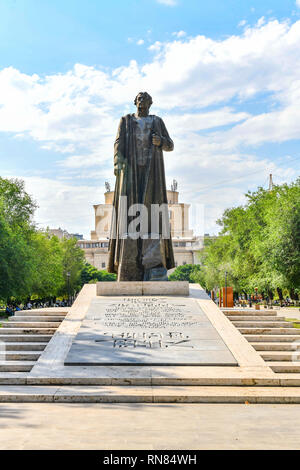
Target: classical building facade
(61, 234)
(185, 243)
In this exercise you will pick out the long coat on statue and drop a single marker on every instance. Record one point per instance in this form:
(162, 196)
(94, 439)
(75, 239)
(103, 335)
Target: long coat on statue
(148, 188)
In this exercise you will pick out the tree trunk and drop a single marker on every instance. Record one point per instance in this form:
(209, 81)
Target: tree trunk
(270, 294)
(294, 295)
(279, 290)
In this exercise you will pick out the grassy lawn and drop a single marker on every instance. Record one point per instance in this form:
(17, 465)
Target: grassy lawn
(3, 316)
(291, 306)
(296, 323)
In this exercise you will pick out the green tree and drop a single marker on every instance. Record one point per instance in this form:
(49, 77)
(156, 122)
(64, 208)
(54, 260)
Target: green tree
(18, 207)
(48, 270)
(72, 266)
(31, 262)
(186, 272)
(91, 275)
(282, 237)
(259, 243)
(16, 231)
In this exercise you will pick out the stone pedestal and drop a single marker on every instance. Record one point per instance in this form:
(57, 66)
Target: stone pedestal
(113, 289)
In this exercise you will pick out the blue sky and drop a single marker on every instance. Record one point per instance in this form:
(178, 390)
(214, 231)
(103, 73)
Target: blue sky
(224, 75)
(48, 36)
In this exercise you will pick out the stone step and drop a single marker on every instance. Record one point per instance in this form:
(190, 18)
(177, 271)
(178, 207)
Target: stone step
(270, 331)
(40, 313)
(29, 324)
(79, 379)
(16, 366)
(256, 319)
(248, 312)
(285, 367)
(253, 315)
(270, 338)
(20, 355)
(276, 346)
(13, 378)
(231, 380)
(262, 324)
(25, 346)
(281, 356)
(27, 330)
(36, 319)
(24, 338)
(143, 394)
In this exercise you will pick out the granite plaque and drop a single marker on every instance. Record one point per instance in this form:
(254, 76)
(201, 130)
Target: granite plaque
(147, 330)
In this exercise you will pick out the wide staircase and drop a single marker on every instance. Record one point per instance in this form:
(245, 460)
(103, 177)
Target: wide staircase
(25, 336)
(274, 338)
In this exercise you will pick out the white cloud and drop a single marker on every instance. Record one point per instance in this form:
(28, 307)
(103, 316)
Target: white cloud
(261, 22)
(140, 42)
(63, 204)
(77, 113)
(298, 3)
(179, 34)
(156, 46)
(242, 23)
(198, 70)
(169, 3)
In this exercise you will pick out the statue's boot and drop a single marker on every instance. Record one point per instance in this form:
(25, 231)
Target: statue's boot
(153, 260)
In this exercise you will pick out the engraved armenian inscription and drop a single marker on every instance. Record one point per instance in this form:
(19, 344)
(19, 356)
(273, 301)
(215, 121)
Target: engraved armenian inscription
(137, 317)
(148, 330)
(152, 340)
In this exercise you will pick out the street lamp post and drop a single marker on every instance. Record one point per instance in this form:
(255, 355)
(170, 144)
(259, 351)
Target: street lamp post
(68, 279)
(225, 288)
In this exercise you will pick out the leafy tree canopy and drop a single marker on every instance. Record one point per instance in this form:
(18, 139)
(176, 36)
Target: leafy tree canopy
(185, 272)
(91, 275)
(32, 262)
(259, 243)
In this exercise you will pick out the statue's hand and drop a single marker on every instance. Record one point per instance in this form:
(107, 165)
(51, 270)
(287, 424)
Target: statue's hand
(156, 140)
(119, 166)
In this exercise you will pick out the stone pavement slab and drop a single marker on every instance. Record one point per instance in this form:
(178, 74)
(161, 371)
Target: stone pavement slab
(147, 330)
(154, 427)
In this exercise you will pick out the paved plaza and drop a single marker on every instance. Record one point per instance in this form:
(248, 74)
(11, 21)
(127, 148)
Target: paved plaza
(150, 427)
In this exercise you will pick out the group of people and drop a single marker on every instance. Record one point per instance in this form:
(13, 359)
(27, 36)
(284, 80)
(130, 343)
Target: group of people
(251, 300)
(12, 308)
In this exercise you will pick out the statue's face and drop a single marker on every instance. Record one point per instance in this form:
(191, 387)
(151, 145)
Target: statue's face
(142, 103)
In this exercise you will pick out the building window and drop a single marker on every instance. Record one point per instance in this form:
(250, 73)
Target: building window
(184, 262)
(103, 265)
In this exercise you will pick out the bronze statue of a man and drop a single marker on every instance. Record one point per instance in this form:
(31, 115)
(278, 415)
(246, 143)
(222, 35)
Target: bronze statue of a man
(144, 253)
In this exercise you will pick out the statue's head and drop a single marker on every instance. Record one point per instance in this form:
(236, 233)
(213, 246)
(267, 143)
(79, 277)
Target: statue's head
(143, 101)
